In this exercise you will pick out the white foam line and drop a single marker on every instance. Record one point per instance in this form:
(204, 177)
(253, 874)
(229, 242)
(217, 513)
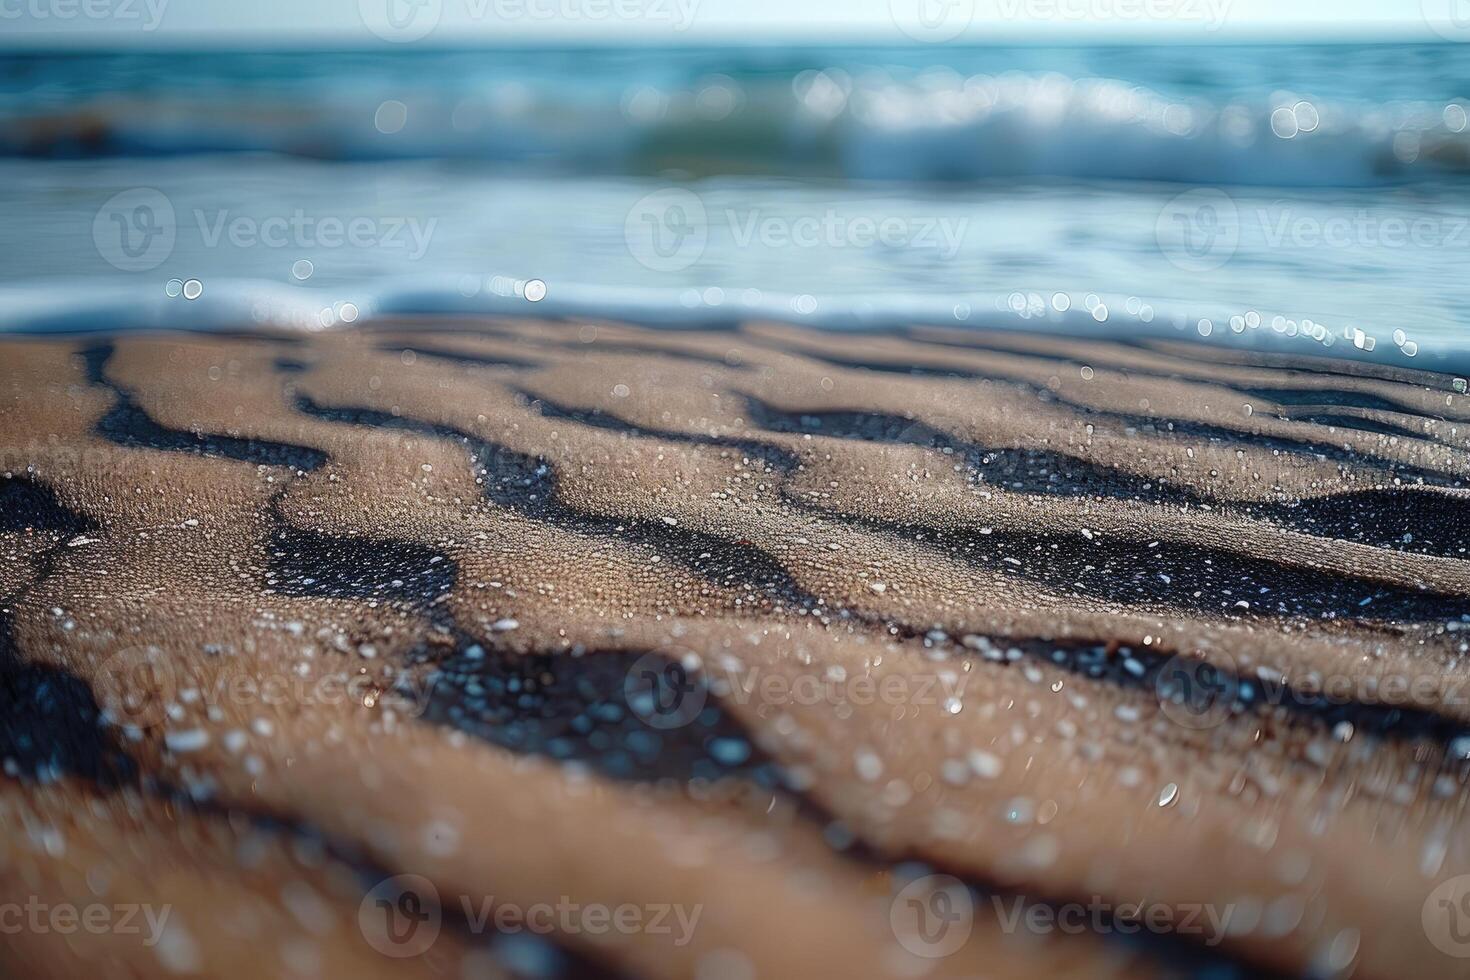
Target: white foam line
(255, 304)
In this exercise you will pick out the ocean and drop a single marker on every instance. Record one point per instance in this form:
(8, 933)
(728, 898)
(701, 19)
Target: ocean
(1302, 198)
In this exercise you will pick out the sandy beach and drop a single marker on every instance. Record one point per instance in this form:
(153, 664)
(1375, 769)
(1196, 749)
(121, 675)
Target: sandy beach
(779, 631)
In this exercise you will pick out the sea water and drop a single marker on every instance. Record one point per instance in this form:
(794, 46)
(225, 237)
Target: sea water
(1305, 198)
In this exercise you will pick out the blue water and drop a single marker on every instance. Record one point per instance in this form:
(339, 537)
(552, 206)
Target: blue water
(1307, 198)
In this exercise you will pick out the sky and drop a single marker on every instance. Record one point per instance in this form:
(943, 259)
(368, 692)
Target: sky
(255, 23)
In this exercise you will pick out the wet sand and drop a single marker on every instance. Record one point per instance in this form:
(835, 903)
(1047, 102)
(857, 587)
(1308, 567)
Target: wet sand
(1076, 624)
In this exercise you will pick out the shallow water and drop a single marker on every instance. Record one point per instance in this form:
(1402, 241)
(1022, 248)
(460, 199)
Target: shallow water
(1308, 199)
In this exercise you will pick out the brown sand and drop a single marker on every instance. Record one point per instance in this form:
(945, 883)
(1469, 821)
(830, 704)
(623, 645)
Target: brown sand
(262, 599)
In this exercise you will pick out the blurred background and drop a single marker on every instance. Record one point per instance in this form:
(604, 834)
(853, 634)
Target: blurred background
(1241, 172)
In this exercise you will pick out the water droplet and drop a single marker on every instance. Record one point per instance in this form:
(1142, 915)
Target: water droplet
(1020, 811)
(867, 764)
(729, 751)
(984, 764)
(391, 117)
(1284, 124)
(1306, 116)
